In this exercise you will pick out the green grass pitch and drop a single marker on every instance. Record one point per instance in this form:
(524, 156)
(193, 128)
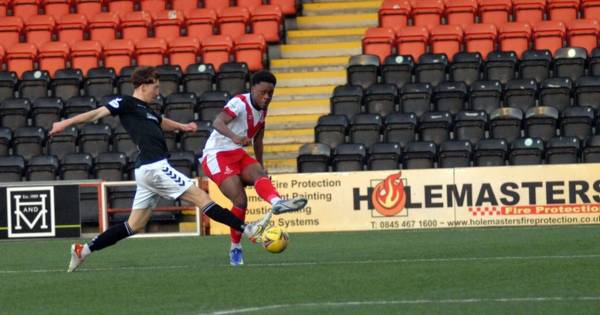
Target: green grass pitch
(541, 270)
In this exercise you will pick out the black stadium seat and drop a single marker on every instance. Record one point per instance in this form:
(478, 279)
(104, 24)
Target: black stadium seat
(349, 157)
(122, 142)
(577, 121)
(331, 130)
(170, 78)
(124, 82)
(76, 166)
(99, 82)
(587, 92)
(42, 167)
(570, 62)
(210, 104)
(11, 168)
(94, 139)
(110, 166)
(435, 127)
(500, 66)
(449, 97)
(400, 128)
(66, 83)
(14, 113)
(521, 94)
(384, 156)
(556, 92)
(184, 162)
(535, 65)
(505, 123)
(195, 141)
(455, 153)
(526, 151)
(365, 129)
(78, 104)
(45, 111)
(419, 154)
(347, 100)
(490, 152)
(591, 151)
(233, 77)
(63, 143)
(397, 69)
(363, 70)
(416, 98)
(8, 82)
(5, 140)
(594, 63)
(34, 84)
(541, 122)
(180, 107)
(470, 126)
(485, 95)
(431, 69)
(28, 141)
(562, 150)
(466, 67)
(198, 78)
(381, 98)
(314, 157)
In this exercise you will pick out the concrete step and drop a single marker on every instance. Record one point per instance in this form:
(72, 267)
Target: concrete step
(336, 63)
(292, 121)
(278, 151)
(287, 136)
(330, 8)
(279, 166)
(337, 21)
(296, 79)
(335, 49)
(325, 35)
(303, 92)
(314, 106)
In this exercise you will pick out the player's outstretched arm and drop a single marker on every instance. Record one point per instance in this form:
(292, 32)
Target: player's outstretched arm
(220, 125)
(88, 116)
(170, 125)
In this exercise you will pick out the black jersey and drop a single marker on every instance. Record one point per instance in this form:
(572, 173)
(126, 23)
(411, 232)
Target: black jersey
(143, 125)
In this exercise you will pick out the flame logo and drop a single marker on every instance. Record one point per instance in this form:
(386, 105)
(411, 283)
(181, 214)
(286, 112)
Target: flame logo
(388, 196)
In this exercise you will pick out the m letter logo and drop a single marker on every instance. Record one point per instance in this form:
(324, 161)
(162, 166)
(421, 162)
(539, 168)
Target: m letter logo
(30, 211)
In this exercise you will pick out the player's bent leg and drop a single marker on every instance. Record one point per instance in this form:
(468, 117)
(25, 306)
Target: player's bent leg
(233, 189)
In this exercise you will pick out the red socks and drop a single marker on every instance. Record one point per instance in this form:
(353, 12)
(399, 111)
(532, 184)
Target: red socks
(265, 189)
(236, 236)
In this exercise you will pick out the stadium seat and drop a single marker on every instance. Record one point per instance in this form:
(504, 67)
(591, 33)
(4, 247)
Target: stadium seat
(266, 20)
(563, 10)
(151, 51)
(78, 104)
(400, 128)
(170, 78)
(34, 84)
(25, 8)
(416, 98)
(419, 155)
(135, 24)
(590, 8)
(5, 140)
(562, 150)
(171, 140)
(470, 126)
(251, 49)
(490, 152)
(153, 6)
(365, 129)
(14, 113)
(123, 143)
(535, 64)
(431, 69)
(198, 78)
(28, 142)
(11, 168)
(110, 166)
(529, 11)
(480, 38)
(495, 12)
(94, 139)
(449, 97)
(39, 29)
(514, 37)
(248, 4)
(577, 121)
(570, 62)
(381, 98)
(549, 35)
(103, 27)
(71, 27)
(121, 7)
(200, 22)
(394, 13)
(210, 104)
(183, 51)
(397, 69)
(346, 100)
(3, 7)
(99, 82)
(378, 41)
(10, 29)
(362, 70)
(526, 151)
(85, 55)
(216, 49)
(521, 94)
(42, 167)
(89, 8)
(349, 157)
(587, 92)
(384, 156)
(168, 24)
(314, 157)
(435, 127)
(466, 67)
(119, 197)
(505, 123)
(412, 41)
(56, 8)
(118, 54)
(331, 130)
(583, 33)
(184, 162)
(8, 82)
(180, 107)
(45, 111)
(427, 13)
(591, 151)
(233, 21)
(446, 39)
(184, 5)
(195, 141)
(216, 4)
(461, 12)
(53, 56)
(20, 58)
(556, 92)
(288, 7)
(63, 143)
(500, 66)
(124, 83)
(455, 153)
(232, 78)
(66, 84)
(541, 122)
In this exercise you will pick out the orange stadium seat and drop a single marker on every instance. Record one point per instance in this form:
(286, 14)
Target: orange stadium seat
(183, 51)
(103, 27)
(89, 8)
(529, 11)
(2, 56)
(118, 54)
(591, 9)
(250, 48)
(495, 12)
(56, 8)
(200, 22)
(427, 13)
(481, 38)
(266, 20)
(25, 8)
(412, 40)
(248, 4)
(446, 39)
(461, 12)
(394, 13)
(120, 7)
(39, 29)
(549, 35)
(3, 6)
(583, 33)
(10, 28)
(232, 21)
(134, 25)
(217, 5)
(153, 6)
(21, 57)
(167, 24)
(378, 41)
(563, 10)
(71, 27)
(288, 7)
(53, 56)
(184, 5)
(85, 55)
(216, 50)
(151, 51)
(515, 37)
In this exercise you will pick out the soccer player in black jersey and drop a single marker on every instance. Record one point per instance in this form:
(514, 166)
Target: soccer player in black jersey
(154, 176)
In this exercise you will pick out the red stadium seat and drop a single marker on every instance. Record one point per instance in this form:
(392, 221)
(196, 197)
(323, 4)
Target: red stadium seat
(378, 41)
(151, 51)
(583, 33)
(39, 29)
(25, 8)
(21, 57)
(118, 53)
(427, 13)
(85, 55)
(412, 40)
(89, 8)
(549, 35)
(53, 56)
(3, 6)
(183, 51)
(461, 12)
(233, 21)
(134, 25)
(56, 8)
(495, 12)
(248, 4)
(445, 39)
(216, 5)
(103, 27)
(200, 22)
(70, 28)
(288, 7)
(120, 7)
(250, 48)
(167, 24)
(515, 37)
(216, 50)
(2, 56)
(10, 28)
(563, 10)
(480, 38)
(591, 9)
(529, 11)
(266, 20)
(394, 13)
(184, 5)
(153, 6)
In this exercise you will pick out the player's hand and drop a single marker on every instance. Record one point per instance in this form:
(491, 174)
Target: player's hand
(57, 127)
(244, 141)
(190, 127)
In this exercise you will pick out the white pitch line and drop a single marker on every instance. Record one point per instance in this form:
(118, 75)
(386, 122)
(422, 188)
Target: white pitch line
(316, 263)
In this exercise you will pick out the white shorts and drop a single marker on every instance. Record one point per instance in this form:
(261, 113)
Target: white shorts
(156, 180)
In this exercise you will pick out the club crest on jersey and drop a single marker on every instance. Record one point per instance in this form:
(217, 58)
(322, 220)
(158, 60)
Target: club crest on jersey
(115, 103)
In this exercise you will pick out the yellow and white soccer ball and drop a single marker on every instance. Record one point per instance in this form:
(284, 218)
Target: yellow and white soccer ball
(275, 240)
